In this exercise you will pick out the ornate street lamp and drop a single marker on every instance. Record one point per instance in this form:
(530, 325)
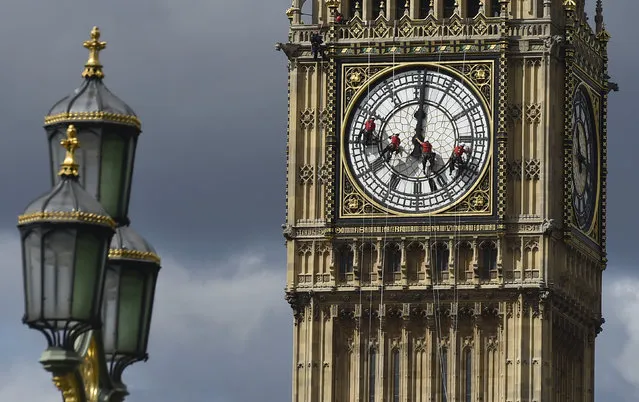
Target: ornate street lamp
(132, 271)
(89, 278)
(108, 129)
(65, 239)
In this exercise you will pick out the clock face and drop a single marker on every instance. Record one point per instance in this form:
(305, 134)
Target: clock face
(584, 160)
(428, 105)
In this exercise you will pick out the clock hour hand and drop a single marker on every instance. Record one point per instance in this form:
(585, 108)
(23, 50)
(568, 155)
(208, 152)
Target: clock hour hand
(581, 159)
(420, 115)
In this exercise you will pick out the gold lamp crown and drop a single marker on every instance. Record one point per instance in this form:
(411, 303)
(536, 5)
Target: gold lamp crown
(93, 68)
(69, 167)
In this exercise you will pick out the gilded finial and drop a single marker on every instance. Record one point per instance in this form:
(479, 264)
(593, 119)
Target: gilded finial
(69, 167)
(570, 5)
(332, 4)
(93, 68)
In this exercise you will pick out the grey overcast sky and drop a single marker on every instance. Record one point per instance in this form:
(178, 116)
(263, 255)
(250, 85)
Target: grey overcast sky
(209, 187)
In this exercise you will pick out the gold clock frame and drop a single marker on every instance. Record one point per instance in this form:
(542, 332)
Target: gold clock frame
(594, 97)
(479, 76)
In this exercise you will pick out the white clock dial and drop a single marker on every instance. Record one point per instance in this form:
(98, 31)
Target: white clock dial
(430, 105)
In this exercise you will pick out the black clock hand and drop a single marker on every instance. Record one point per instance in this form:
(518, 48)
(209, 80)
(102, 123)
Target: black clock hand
(580, 157)
(420, 115)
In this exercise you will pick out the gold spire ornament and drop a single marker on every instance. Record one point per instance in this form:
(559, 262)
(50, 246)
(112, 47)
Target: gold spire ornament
(570, 5)
(332, 4)
(93, 68)
(69, 167)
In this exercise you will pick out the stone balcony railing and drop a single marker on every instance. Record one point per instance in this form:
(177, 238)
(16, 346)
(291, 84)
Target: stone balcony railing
(428, 29)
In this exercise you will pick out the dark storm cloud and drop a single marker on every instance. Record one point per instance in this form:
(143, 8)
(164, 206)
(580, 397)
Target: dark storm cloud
(208, 86)
(211, 93)
(623, 136)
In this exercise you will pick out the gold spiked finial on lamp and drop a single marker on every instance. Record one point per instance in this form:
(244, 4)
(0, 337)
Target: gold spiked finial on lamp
(69, 167)
(93, 68)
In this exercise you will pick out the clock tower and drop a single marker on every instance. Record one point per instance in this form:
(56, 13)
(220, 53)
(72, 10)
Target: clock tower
(446, 199)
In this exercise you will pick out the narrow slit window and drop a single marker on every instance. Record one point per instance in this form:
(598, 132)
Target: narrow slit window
(495, 8)
(449, 8)
(469, 376)
(439, 257)
(473, 8)
(352, 7)
(396, 377)
(376, 9)
(444, 365)
(400, 6)
(372, 361)
(424, 9)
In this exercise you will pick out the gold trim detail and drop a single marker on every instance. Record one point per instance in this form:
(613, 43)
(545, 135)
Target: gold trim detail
(93, 68)
(69, 167)
(570, 5)
(332, 4)
(92, 117)
(66, 216)
(479, 77)
(68, 386)
(478, 201)
(90, 372)
(330, 127)
(133, 255)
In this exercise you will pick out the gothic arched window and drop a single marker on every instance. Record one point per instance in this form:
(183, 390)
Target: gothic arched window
(345, 260)
(372, 362)
(396, 377)
(393, 258)
(487, 259)
(439, 259)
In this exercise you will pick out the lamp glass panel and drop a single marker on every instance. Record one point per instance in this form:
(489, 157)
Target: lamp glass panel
(110, 307)
(151, 279)
(131, 303)
(88, 267)
(111, 178)
(32, 248)
(59, 247)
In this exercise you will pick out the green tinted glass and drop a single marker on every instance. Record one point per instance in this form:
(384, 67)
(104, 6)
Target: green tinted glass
(88, 254)
(111, 177)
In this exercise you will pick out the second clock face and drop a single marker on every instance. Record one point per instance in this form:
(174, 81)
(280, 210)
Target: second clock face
(430, 105)
(584, 160)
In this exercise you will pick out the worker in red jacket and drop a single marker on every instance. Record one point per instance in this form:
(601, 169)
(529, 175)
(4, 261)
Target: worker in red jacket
(458, 161)
(369, 131)
(427, 153)
(339, 18)
(392, 147)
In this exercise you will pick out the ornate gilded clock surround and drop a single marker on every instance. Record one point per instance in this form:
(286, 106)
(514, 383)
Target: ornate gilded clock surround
(582, 72)
(481, 75)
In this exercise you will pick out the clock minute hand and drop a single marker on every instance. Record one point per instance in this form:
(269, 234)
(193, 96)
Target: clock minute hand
(420, 115)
